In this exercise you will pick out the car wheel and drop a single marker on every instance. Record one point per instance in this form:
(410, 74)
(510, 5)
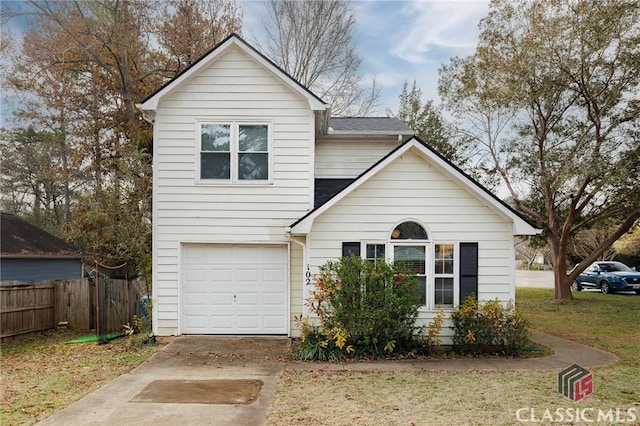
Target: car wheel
(605, 288)
(575, 286)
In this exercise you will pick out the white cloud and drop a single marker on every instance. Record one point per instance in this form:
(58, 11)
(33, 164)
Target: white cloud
(439, 28)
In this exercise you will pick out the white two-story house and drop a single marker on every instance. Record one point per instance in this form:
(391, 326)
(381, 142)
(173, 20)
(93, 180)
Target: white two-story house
(256, 186)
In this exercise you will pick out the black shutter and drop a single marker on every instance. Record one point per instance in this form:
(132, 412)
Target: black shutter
(351, 248)
(468, 270)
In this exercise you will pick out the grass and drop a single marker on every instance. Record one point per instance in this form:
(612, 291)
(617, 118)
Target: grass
(42, 372)
(609, 322)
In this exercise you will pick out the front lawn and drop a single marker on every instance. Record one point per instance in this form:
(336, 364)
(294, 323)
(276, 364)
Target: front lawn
(42, 372)
(610, 322)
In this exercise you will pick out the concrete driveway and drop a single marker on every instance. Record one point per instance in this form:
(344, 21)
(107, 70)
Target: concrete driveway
(185, 367)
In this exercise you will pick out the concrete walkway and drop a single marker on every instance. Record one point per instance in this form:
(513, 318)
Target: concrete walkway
(565, 354)
(199, 358)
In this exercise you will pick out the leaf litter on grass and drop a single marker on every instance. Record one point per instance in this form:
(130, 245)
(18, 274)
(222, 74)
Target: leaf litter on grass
(41, 372)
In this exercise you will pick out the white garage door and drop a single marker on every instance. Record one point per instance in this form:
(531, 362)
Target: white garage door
(234, 289)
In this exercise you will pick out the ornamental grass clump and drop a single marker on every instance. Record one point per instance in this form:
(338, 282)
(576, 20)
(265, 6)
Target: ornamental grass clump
(489, 328)
(361, 309)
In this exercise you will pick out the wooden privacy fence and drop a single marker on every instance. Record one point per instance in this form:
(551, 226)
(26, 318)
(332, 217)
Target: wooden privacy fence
(86, 304)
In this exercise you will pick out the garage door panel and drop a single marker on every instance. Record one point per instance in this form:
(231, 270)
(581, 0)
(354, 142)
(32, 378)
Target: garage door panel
(273, 255)
(249, 322)
(222, 299)
(221, 274)
(273, 275)
(234, 289)
(274, 321)
(244, 299)
(196, 298)
(247, 275)
(196, 275)
(274, 298)
(197, 321)
(221, 322)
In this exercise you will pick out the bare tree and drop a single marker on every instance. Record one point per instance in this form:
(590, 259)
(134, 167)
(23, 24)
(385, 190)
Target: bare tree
(313, 42)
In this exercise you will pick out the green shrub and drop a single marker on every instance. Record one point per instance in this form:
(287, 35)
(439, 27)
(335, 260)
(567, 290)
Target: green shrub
(363, 309)
(489, 328)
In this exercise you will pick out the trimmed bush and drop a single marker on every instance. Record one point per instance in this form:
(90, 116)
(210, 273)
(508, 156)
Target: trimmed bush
(489, 328)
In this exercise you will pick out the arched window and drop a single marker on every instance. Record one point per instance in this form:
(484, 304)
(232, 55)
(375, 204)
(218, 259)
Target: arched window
(409, 231)
(410, 246)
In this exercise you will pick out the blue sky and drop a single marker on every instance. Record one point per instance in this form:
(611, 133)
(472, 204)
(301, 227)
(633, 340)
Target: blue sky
(401, 40)
(398, 40)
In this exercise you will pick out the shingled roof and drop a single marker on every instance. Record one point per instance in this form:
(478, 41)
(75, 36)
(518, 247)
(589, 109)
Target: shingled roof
(20, 239)
(373, 125)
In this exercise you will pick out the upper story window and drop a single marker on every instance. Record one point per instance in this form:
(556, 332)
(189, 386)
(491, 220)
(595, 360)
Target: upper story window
(235, 152)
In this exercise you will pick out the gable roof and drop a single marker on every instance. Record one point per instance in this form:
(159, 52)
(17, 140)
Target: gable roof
(150, 103)
(20, 239)
(521, 226)
(370, 125)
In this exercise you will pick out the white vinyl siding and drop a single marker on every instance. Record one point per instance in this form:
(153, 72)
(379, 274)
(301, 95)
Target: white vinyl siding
(233, 88)
(349, 158)
(409, 188)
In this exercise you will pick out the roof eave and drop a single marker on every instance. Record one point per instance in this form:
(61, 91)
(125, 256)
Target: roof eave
(370, 132)
(523, 228)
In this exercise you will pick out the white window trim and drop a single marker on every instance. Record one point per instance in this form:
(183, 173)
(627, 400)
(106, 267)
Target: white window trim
(364, 244)
(428, 263)
(234, 151)
(455, 275)
(430, 256)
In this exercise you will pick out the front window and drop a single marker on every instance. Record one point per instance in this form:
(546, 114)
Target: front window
(409, 241)
(234, 152)
(375, 252)
(414, 257)
(444, 275)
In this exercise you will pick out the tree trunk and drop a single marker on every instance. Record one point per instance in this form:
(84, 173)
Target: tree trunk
(561, 281)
